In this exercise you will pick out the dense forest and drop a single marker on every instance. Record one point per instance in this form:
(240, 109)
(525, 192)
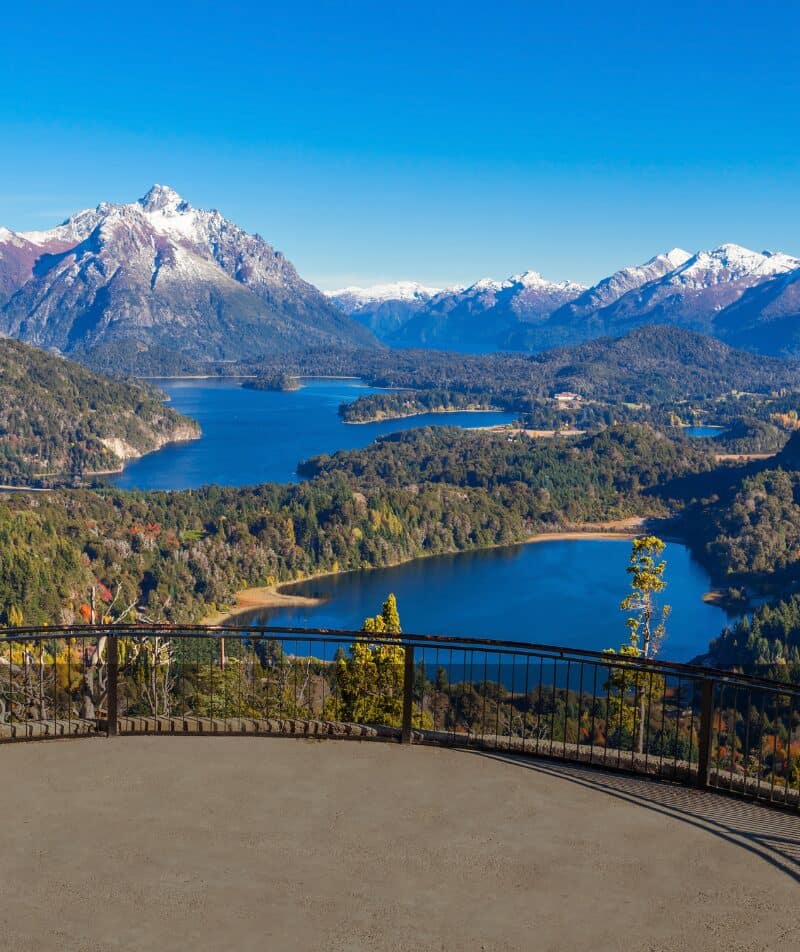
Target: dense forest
(649, 365)
(767, 641)
(392, 405)
(177, 555)
(59, 421)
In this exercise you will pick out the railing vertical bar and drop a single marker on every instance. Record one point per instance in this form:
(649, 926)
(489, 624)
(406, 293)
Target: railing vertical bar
(566, 708)
(580, 714)
(774, 755)
(68, 644)
(112, 672)
(408, 694)
(761, 742)
(483, 714)
(594, 712)
(705, 738)
(691, 727)
(646, 726)
(526, 702)
(436, 676)
(607, 715)
(746, 752)
(733, 736)
(623, 690)
(498, 703)
(553, 707)
(539, 704)
(450, 669)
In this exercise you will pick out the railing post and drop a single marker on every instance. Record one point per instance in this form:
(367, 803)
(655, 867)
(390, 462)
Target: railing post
(112, 674)
(408, 695)
(706, 733)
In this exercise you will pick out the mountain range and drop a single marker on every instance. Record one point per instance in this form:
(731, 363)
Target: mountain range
(157, 283)
(747, 298)
(159, 273)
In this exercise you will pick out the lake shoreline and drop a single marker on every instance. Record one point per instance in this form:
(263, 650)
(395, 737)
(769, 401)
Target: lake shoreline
(416, 413)
(267, 596)
(278, 596)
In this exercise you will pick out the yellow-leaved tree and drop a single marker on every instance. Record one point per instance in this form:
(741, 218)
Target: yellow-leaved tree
(369, 681)
(634, 694)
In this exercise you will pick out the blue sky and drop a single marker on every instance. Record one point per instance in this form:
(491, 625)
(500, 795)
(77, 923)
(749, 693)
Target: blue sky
(434, 141)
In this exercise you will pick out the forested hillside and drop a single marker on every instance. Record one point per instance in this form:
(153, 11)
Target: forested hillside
(59, 421)
(178, 554)
(649, 365)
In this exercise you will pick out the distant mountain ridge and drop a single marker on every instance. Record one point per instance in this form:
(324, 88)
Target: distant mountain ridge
(383, 308)
(479, 318)
(161, 273)
(747, 298)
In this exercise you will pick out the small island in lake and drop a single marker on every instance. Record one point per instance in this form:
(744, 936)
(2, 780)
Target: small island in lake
(282, 383)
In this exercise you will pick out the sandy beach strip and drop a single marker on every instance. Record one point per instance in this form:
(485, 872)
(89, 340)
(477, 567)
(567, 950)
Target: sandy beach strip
(268, 596)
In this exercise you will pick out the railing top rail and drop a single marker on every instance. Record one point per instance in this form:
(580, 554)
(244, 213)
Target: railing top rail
(502, 646)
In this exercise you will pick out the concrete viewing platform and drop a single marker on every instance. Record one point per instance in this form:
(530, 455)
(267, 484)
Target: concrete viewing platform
(246, 843)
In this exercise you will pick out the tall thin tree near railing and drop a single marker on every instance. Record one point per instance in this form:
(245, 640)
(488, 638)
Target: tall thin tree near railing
(647, 620)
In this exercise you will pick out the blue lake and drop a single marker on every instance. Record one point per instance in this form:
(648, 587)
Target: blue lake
(563, 592)
(256, 436)
(704, 431)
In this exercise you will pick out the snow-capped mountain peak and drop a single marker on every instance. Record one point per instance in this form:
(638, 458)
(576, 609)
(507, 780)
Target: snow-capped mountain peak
(731, 262)
(163, 273)
(8, 237)
(528, 280)
(675, 256)
(161, 197)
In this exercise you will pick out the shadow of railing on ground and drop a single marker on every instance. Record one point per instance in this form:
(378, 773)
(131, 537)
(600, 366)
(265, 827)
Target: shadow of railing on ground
(772, 835)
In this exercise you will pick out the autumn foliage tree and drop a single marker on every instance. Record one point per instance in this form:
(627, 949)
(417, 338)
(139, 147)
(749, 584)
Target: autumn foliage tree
(633, 692)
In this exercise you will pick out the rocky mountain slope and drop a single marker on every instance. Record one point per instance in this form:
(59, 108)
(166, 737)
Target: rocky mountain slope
(486, 315)
(747, 298)
(60, 421)
(694, 295)
(161, 273)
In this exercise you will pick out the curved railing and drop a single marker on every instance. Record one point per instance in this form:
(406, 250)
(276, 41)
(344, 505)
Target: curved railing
(679, 722)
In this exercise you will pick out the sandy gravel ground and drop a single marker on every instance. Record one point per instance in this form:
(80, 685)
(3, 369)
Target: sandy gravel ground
(271, 844)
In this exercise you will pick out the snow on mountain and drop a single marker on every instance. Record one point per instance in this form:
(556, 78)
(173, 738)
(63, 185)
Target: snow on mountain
(486, 315)
(70, 232)
(730, 263)
(608, 290)
(159, 272)
(695, 292)
(352, 298)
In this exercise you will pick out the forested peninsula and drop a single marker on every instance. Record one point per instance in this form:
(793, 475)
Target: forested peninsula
(60, 423)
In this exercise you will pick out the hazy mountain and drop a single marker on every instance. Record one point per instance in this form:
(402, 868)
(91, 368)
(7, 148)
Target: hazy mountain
(383, 308)
(748, 298)
(486, 315)
(162, 273)
(766, 317)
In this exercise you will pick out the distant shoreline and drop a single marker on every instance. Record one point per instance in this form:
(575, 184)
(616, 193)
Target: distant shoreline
(416, 413)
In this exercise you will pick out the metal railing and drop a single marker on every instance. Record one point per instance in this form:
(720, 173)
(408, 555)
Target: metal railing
(696, 726)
